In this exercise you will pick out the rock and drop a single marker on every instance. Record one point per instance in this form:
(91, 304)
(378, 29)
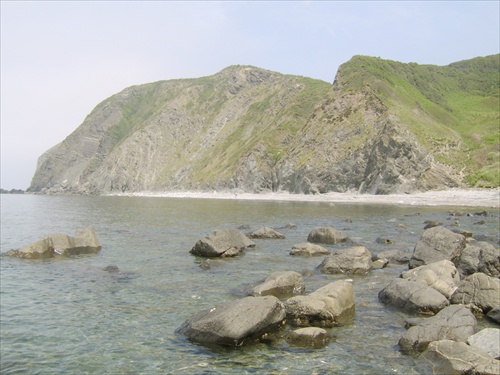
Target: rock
(84, 242)
(457, 358)
(413, 297)
(479, 290)
(266, 232)
(326, 235)
(393, 256)
(487, 339)
(308, 249)
(281, 285)
(452, 323)
(111, 269)
(494, 315)
(379, 264)
(432, 224)
(384, 241)
(236, 323)
(436, 244)
(329, 306)
(222, 243)
(442, 276)
(309, 337)
(478, 256)
(353, 260)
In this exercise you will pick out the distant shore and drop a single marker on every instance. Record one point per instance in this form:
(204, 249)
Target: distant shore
(452, 197)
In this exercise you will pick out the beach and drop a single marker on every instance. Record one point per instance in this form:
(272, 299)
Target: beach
(452, 197)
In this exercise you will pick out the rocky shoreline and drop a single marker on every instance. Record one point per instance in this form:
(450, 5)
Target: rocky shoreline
(451, 197)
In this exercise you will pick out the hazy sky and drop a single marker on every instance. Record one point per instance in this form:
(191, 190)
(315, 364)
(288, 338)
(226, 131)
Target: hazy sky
(60, 59)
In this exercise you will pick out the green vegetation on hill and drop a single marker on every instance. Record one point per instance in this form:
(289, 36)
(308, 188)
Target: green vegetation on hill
(453, 110)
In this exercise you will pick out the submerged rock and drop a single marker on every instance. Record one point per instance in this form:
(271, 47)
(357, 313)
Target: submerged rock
(281, 285)
(309, 337)
(236, 323)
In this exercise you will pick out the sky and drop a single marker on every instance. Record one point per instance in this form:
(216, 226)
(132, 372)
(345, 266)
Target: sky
(59, 59)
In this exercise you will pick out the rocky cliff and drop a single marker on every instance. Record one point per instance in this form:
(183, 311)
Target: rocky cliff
(382, 127)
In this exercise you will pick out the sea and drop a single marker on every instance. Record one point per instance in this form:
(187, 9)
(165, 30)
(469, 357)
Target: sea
(70, 316)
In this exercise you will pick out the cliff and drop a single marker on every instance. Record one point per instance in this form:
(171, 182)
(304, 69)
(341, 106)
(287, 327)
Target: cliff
(382, 127)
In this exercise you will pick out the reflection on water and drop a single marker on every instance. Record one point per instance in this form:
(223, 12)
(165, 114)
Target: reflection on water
(71, 316)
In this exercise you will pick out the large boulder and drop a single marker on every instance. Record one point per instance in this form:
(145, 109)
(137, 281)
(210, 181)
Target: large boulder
(309, 337)
(436, 244)
(478, 256)
(308, 249)
(449, 357)
(353, 260)
(326, 235)
(281, 285)
(84, 242)
(236, 323)
(452, 323)
(442, 276)
(329, 306)
(222, 243)
(266, 233)
(413, 297)
(487, 339)
(479, 290)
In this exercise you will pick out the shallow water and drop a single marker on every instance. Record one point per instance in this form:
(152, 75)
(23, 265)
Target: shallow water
(64, 316)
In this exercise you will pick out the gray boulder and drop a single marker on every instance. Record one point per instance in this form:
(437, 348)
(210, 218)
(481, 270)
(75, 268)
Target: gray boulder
(329, 306)
(442, 276)
(222, 243)
(436, 244)
(478, 256)
(353, 260)
(309, 337)
(266, 233)
(236, 323)
(487, 339)
(393, 256)
(308, 249)
(449, 357)
(281, 285)
(326, 235)
(479, 290)
(494, 315)
(452, 323)
(413, 297)
(84, 242)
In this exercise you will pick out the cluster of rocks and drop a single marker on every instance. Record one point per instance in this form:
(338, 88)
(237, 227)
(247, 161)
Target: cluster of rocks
(85, 241)
(450, 278)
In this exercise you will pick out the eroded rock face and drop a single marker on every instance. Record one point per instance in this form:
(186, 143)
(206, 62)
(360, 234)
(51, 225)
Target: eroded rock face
(329, 306)
(326, 235)
(436, 244)
(457, 358)
(478, 256)
(480, 290)
(353, 260)
(236, 323)
(85, 241)
(281, 285)
(452, 323)
(222, 243)
(413, 297)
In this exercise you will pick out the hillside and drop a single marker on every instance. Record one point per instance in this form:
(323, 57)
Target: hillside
(382, 127)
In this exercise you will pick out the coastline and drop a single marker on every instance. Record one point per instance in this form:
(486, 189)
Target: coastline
(453, 197)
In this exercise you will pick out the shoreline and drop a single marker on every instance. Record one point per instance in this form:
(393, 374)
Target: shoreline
(453, 197)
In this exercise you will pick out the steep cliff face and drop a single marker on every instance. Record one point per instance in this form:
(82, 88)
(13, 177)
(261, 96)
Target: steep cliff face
(255, 130)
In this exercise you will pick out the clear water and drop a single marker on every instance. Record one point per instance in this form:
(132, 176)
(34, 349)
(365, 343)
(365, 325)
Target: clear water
(68, 316)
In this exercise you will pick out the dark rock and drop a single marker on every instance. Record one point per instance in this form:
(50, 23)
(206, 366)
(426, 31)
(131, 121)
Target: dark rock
(281, 285)
(329, 306)
(308, 249)
(326, 235)
(309, 337)
(384, 241)
(436, 244)
(487, 339)
(452, 323)
(222, 243)
(266, 232)
(353, 260)
(480, 222)
(478, 290)
(457, 358)
(432, 224)
(413, 297)
(236, 323)
(494, 315)
(111, 269)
